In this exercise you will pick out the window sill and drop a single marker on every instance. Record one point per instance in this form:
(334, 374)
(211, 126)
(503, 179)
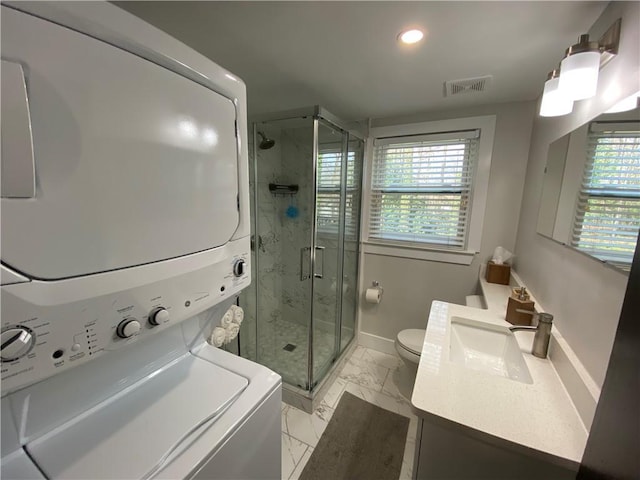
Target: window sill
(460, 257)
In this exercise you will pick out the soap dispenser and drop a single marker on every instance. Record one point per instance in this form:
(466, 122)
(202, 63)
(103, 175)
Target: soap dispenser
(519, 300)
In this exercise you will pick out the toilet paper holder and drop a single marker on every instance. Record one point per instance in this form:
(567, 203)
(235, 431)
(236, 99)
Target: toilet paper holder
(373, 294)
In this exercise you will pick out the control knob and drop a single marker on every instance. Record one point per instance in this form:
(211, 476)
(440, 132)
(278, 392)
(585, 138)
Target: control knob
(158, 316)
(239, 268)
(16, 342)
(128, 328)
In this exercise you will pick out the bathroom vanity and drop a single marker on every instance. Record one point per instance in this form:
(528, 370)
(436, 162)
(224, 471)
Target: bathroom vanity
(488, 408)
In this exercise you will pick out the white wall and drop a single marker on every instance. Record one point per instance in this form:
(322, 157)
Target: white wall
(411, 285)
(584, 295)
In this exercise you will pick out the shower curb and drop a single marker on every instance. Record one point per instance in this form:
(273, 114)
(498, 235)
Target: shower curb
(309, 401)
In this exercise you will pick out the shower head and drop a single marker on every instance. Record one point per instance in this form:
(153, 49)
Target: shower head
(266, 143)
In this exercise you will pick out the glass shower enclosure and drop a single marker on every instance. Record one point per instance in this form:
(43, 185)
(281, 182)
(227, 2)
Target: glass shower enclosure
(306, 183)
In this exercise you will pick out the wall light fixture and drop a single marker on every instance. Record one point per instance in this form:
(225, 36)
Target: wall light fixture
(554, 103)
(579, 69)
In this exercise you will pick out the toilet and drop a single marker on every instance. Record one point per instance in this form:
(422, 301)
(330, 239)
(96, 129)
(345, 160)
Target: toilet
(409, 346)
(409, 342)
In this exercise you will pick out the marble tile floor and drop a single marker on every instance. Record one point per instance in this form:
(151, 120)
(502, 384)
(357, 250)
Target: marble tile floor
(373, 376)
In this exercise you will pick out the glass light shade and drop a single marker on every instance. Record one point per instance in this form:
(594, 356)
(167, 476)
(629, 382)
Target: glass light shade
(554, 102)
(625, 104)
(579, 75)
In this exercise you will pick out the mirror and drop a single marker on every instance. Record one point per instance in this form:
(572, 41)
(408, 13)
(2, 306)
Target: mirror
(591, 191)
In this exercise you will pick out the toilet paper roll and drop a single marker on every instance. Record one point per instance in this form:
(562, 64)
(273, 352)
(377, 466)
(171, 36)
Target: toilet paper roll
(373, 295)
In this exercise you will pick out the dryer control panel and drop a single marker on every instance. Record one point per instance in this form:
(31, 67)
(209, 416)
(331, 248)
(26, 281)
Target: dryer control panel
(39, 339)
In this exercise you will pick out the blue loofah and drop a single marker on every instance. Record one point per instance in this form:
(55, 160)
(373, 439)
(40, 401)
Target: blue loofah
(292, 211)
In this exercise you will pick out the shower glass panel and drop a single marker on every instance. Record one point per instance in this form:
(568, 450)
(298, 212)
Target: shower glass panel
(329, 232)
(305, 191)
(351, 252)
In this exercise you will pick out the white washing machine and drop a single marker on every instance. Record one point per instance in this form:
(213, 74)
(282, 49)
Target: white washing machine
(125, 238)
(165, 409)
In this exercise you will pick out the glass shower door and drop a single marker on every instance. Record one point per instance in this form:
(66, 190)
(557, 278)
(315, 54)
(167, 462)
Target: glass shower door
(328, 245)
(282, 217)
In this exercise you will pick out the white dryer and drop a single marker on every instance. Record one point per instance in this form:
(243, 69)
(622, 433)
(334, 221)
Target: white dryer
(125, 238)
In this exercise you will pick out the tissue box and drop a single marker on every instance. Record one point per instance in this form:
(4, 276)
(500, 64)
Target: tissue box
(498, 273)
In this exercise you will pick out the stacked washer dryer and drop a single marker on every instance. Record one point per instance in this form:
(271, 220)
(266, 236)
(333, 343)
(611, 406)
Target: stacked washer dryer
(125, 238)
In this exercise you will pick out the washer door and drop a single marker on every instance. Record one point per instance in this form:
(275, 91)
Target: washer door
(133, 162)
(136, 434)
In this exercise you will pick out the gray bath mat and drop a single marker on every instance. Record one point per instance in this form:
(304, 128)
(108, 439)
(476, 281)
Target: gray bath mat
(362, 441)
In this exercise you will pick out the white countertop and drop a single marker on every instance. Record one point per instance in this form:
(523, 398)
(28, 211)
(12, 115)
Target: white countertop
(539, 416)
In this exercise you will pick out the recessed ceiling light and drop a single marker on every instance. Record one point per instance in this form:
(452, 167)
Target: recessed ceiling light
(411, 36)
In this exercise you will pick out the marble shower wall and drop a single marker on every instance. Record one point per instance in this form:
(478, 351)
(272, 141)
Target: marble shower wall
(277, 240)
(297, 168)
(267, 269)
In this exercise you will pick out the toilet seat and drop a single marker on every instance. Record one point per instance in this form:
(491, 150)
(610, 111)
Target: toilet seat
(409, 346)
(412, 340)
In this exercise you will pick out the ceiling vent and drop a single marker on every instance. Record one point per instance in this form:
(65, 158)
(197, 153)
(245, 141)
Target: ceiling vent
(467, 85)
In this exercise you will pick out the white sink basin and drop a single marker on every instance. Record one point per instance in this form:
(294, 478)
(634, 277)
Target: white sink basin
(492, 349)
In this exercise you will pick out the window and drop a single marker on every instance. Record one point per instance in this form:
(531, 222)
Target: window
(607, 216)
(421, 188)
(427, 186)
(328, 200)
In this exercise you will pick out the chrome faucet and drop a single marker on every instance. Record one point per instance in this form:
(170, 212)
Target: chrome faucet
(540, 347)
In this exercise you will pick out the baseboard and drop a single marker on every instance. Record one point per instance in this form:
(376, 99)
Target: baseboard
(381, 344)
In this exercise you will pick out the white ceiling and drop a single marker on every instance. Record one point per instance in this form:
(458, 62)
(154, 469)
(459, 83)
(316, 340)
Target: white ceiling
(345, 57)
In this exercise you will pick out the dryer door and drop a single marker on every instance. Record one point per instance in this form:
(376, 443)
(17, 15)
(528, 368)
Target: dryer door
(133, 162)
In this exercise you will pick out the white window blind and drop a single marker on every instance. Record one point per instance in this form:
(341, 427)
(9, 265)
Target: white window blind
(328, 199)
(608, 209)
(421, 188)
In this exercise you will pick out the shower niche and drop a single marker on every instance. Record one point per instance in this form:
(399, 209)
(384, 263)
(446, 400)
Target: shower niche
(306, 185)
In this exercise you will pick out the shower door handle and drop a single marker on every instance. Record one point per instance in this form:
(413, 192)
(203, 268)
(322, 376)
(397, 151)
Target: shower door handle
(321, 274)
(304, 275)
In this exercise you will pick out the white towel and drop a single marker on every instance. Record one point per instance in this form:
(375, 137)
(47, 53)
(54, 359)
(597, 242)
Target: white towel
(227, 318)
(238, 315)
(232, 332)
(218, 337)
